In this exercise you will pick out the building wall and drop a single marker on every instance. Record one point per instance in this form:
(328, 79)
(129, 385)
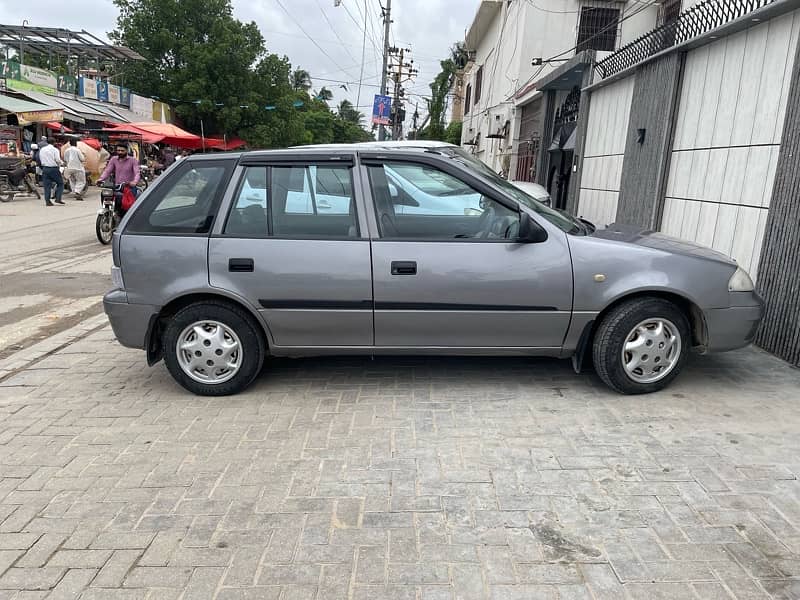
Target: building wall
(727, 139)
(653, 108)
(779, 267)
(542, 29)
(604, 151)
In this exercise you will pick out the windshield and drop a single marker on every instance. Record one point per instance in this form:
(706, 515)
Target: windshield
(562, 220)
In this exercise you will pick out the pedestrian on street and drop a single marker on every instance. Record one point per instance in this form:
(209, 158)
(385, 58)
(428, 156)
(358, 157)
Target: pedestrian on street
(51, 173)
(74, 171)
(124, 168)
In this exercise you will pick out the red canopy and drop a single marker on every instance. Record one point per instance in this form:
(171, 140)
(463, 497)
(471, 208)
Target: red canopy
(153, 133)
(92, 143)
(223, 144)
(55, 126)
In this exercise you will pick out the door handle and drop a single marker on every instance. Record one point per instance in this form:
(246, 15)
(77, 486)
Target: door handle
(404, 267)
(241, 265)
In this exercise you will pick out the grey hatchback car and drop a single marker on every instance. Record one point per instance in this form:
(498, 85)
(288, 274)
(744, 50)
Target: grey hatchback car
(231, 258)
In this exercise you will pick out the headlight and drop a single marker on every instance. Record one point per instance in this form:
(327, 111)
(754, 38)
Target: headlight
(116, 278)
(740, 282)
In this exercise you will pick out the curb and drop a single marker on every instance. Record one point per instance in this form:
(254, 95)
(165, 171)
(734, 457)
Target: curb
(27, 357)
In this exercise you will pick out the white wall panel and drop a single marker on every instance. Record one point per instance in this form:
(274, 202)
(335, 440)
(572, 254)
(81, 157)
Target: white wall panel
(727, 138)
(607, 129)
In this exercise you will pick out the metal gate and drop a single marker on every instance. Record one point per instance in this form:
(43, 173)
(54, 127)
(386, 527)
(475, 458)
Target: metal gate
(526, 161)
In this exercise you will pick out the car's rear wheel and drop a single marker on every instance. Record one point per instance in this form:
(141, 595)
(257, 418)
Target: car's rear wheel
(213, 348)
(641, 345)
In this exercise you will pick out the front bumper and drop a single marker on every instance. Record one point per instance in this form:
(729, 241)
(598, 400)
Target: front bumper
(130, 322)
(736, 326)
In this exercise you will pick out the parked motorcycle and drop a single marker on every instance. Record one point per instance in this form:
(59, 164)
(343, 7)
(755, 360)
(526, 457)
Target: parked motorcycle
(110, 213)
(15, 178)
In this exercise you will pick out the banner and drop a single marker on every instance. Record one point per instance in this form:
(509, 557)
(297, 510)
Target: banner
(142, 106)
(9, 69)
(23, 77)
(162, 112)
(87, 88)
(102, 90)
(68, 84)
(381, 109)
(124, 96)
(40, 116)
(113, 94)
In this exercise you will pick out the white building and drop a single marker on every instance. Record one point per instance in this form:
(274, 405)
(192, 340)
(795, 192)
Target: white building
(503, 107)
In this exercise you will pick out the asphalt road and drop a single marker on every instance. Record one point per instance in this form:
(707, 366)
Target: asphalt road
(53, 271)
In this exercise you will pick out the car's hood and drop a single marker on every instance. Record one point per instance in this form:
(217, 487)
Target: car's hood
(631, 234)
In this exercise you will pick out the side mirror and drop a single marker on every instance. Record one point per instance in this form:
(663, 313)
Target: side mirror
(530, 232)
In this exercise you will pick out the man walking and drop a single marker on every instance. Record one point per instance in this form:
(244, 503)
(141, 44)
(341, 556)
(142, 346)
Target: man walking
(74, 172)
(51, 175)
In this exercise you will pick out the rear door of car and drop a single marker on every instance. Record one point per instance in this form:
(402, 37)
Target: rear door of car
(290, 241)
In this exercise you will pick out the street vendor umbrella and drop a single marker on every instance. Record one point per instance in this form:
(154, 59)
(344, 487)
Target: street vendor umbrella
(92, 164)
(93, 142)
(55, 126)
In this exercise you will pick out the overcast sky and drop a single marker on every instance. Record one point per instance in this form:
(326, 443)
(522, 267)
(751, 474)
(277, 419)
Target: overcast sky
(428, 27)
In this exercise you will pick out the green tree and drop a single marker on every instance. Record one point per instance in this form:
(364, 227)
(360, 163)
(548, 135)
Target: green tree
(440, 88)
(197, 57)
(301, 80)
(324, 95)
(452, 135)
(347, 112)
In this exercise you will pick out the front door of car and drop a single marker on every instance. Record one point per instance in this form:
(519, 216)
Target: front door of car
(447, 272)
(291, 244)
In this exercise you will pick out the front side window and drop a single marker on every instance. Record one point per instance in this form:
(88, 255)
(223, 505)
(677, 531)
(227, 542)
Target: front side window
(597, 29)
(416, 201)
(294, 201)
(184, 204)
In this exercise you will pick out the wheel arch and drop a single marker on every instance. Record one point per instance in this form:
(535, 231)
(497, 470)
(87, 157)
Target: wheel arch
(693, 312)
(178, 303)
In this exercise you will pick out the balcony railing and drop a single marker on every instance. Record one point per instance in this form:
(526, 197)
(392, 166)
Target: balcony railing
(697, 20)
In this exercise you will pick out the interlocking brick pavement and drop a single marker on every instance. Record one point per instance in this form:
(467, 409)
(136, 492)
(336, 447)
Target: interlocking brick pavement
(423, 479)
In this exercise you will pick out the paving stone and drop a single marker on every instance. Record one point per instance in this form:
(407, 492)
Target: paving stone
(116, 568)
(44, 578)
(152, 577)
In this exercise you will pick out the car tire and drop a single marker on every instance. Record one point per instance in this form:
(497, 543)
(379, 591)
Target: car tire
(634, 325)
(227, 324)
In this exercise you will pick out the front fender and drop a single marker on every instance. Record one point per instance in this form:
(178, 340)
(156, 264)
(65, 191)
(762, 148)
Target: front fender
(605, 271)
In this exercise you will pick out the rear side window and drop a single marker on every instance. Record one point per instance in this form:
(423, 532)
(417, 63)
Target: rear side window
(185, 204)
(311, 201)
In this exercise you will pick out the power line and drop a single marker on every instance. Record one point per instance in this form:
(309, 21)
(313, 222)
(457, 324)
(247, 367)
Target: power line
(335, 32)
(311, 39)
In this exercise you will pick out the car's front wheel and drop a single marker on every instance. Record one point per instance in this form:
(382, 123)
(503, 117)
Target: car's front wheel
(641, 345)
(213, 348)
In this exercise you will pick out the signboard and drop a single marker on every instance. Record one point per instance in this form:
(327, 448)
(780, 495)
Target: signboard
(102, 90)
(124, 96)
(381, 109)
(68, 84)
(113, 94)
(9, 69)
(40, 116)
(23, 77)
(162, 112)
(87, 88)
(142, 106)
(38, 77)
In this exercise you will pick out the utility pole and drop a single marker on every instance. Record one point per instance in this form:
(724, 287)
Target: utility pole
(387, 23)
(416, 119)
(401, 72)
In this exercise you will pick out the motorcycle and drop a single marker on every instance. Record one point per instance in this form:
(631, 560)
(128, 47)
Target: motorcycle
(110, 213)
(15, 178)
